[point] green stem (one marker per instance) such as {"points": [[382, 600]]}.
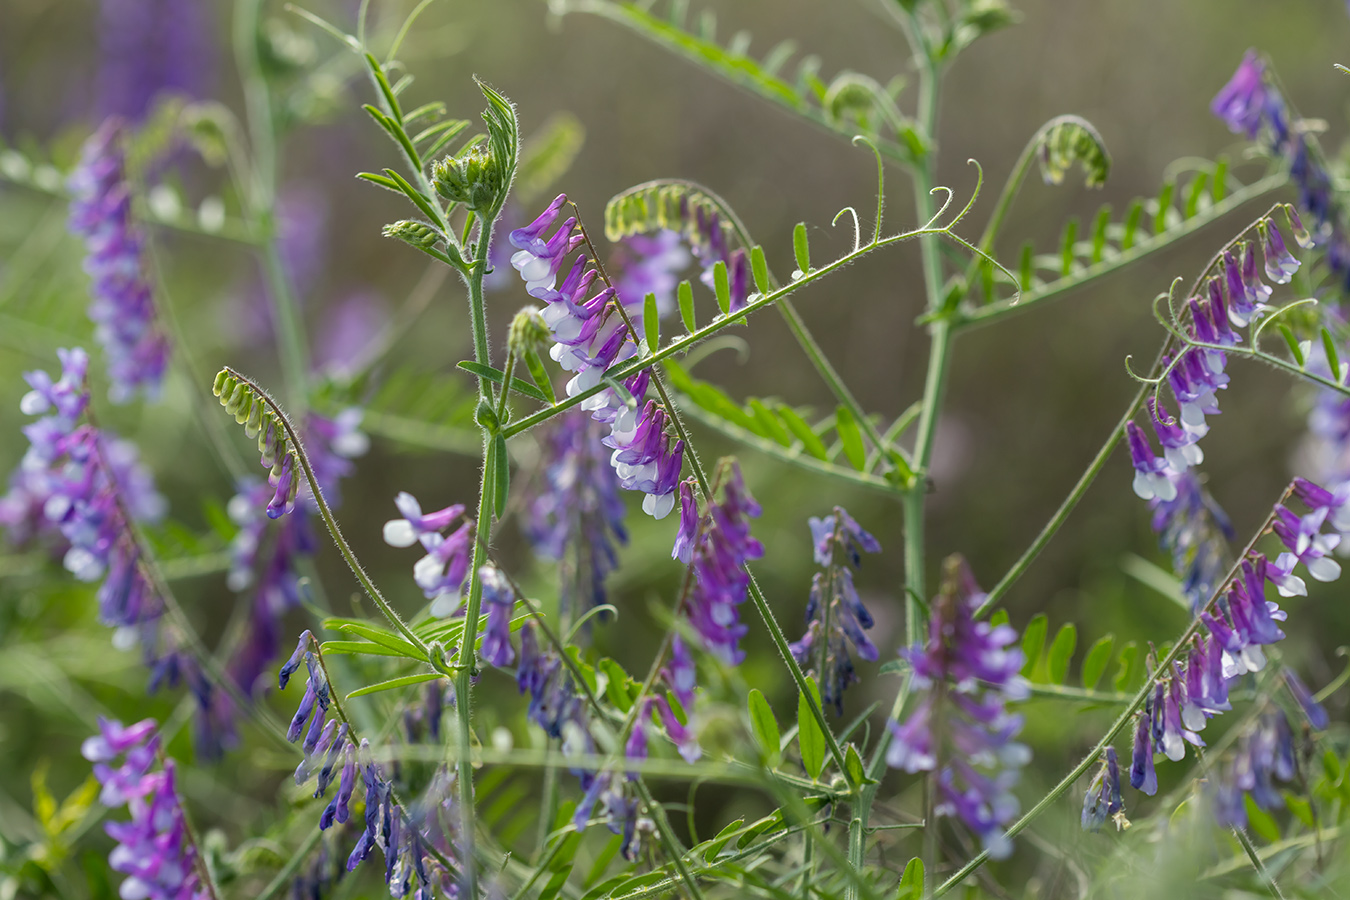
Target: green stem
{"points": [[482, 354], [939, 331], [260, 196], [628, 369], [1065, 508], [467, 663]]}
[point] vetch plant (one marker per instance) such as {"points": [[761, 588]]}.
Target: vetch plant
{"points": [[463, 733]]}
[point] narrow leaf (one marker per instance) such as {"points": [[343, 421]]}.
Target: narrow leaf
{"points": [[722, 286], [497, 376], [651, 323], [1132, 218], [358, 647], [717, 843], [771, 424], [1333, 358], [911, 883], [1096, 661], [1033, 642], [811, 442], [388, 639], [800, 249], [394, 683], [1129, 657], [851, 437], [759, 269], [1295, 350], [1067, 240], [853, 765], [383, 181], [686, 298], [1061, 652], [810, 739], [764, 726]]}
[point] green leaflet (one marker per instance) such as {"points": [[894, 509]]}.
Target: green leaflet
{"points": [[764, 726], [810, 739], [781, 431], [846, 106], [395, 683]]}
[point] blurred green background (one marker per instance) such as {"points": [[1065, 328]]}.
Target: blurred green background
{"points": [[1030, 401]]}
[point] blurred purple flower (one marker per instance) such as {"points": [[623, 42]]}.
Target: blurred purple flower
{"points": [[123, 308], [149, 47]]}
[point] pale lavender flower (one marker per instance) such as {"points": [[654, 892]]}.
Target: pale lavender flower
{"points": [[1264, 756], [440, 573], [1103, 799]]}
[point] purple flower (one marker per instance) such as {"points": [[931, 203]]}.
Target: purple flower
{"points": [[720, 582], [152, 47], [123, 308], [1103, 799], [969, 668], [1150, 472], [575, 514], [1302, 535], [1142, 775], [834, 605], [680, 673], [153, 849], [1243, 101], [591, 335], [1317, 716], [1265, 755], [500, 600], [649, 264]]}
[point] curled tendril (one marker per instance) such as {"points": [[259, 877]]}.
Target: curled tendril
{"points": [[1339, 681], [881, 181], [857, 228], [1129, 370], [974, 195], [603, 608], [1260, 326], [939, 214], [1170, 322]]}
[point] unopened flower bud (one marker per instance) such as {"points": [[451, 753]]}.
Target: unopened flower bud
{"points": [[411, 231], [472, 178], [529, 331]]}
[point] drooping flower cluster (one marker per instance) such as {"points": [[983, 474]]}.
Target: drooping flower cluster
{"points": [[123, 307], [331, 444], [575, 514], [154, 849], [590, 336], [1190, 525], [1103, 799], [1238, 624], [649, 264], [440, 573], [967, 670], [708, 237], [82, 488], [836, 617], [1253, 107], [716, 545], [406, 837], [1265, 755]]}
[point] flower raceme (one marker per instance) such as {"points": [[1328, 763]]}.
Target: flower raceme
{"points": [[154, 849], [961, 730], [1238, 624], [836, 617], [123, 307], [591, 335]]}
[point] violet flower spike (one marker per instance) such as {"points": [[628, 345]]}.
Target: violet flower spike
{"points": [[500, 600]]}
